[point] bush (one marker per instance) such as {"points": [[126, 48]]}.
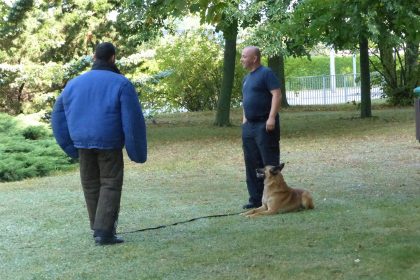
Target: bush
{"points": [[7, 124], [195, 59], [318, 66], [29, 152], [34, 132]]}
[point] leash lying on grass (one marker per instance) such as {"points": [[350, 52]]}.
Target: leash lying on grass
{"points": [[157, 227], [178, 223]]}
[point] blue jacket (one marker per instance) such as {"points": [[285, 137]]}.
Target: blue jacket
{"points": [[100, 109]]}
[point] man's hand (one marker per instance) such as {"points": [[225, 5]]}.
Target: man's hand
{"points": [[270, 124]]}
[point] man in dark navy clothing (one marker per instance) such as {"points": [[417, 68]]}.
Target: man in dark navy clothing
{"points": [[261, 123]]}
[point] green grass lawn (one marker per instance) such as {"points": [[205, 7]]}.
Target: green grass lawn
{"points": [[364, 176]]}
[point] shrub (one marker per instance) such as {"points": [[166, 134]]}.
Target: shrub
{"points": [[195, 59], [30, 152], [7, 124], [34, 132]]}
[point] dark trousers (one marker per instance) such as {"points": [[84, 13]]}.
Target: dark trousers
{"points": [[101, 173], [260, 148]]}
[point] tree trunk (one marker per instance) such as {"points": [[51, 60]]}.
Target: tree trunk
{"points": [[20, 99], [223, 105], [276, 63], [366, 110], [386, 52], [412, 65]]}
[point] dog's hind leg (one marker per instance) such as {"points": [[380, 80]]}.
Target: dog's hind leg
{"points": [[307, 201]]}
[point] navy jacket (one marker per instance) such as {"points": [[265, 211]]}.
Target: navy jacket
{"points": [[100, 109]]}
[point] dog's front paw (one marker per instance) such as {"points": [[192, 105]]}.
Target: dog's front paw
{"points": [[249, 216]]}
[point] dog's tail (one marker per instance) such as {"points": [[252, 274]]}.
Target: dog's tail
{"points": [[307, 200]]}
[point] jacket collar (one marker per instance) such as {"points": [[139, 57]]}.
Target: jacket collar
{"points": [[104, 65]]}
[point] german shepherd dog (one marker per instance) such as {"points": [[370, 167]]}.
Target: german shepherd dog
{"points": [[278, 197]]}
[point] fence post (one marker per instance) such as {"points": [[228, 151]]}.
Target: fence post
{"points": [[354, 70], [324, 89], [345, 88]]}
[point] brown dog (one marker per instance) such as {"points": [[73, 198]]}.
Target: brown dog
{"points": [[278, 197]]}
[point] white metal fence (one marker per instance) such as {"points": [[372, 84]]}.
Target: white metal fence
{"points": [[315, 90]]}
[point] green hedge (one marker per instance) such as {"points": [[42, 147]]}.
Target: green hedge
{"points": [[318, 66], [28, 152]]}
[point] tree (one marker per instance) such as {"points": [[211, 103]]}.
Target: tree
{"points": [[276, 63], [13, 25], [390, 26], [365, 102], [341, 24], [58, 31], [194, 59], [223, 15], [46, 38], [226, 16], [230, 32], [272, 38], [397, 36], [143, 21]]}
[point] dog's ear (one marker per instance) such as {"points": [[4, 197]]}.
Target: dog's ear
{"points": [[281, 166], [276, 169]]}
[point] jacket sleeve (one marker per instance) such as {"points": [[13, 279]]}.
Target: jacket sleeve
{"points": [[61, 131], [133, 124]]}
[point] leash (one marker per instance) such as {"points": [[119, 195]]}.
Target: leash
{"points": [[182, 222], [158, 227]]}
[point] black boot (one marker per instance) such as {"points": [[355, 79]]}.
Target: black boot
{"points": [[101, 240], [106, 237]]}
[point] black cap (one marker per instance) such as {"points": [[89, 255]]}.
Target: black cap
{"points": [[104, 51]]}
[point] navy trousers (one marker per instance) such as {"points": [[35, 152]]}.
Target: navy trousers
{"points": [[260, 148]]}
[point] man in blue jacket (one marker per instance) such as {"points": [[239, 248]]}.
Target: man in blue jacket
{"points": [[96, 115]]}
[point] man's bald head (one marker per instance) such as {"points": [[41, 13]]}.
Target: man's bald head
{"points": [[251, 58], [254, 51]]}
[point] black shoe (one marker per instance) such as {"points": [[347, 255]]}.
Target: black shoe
{"points": [[100, 240], [251, 205]]}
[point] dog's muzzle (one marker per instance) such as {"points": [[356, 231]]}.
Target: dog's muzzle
{"points": [[260, 173]]}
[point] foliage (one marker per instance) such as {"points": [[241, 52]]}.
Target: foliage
{"points": [[32, 87], [195, 61], [143, 21], [224, 15], [45, 41], [318, 65], [391, 27], [34, 132], [269, 33], [12, 25], [397, 38], [64, 32], [152, 95], [28, 152], [11, 96]]}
